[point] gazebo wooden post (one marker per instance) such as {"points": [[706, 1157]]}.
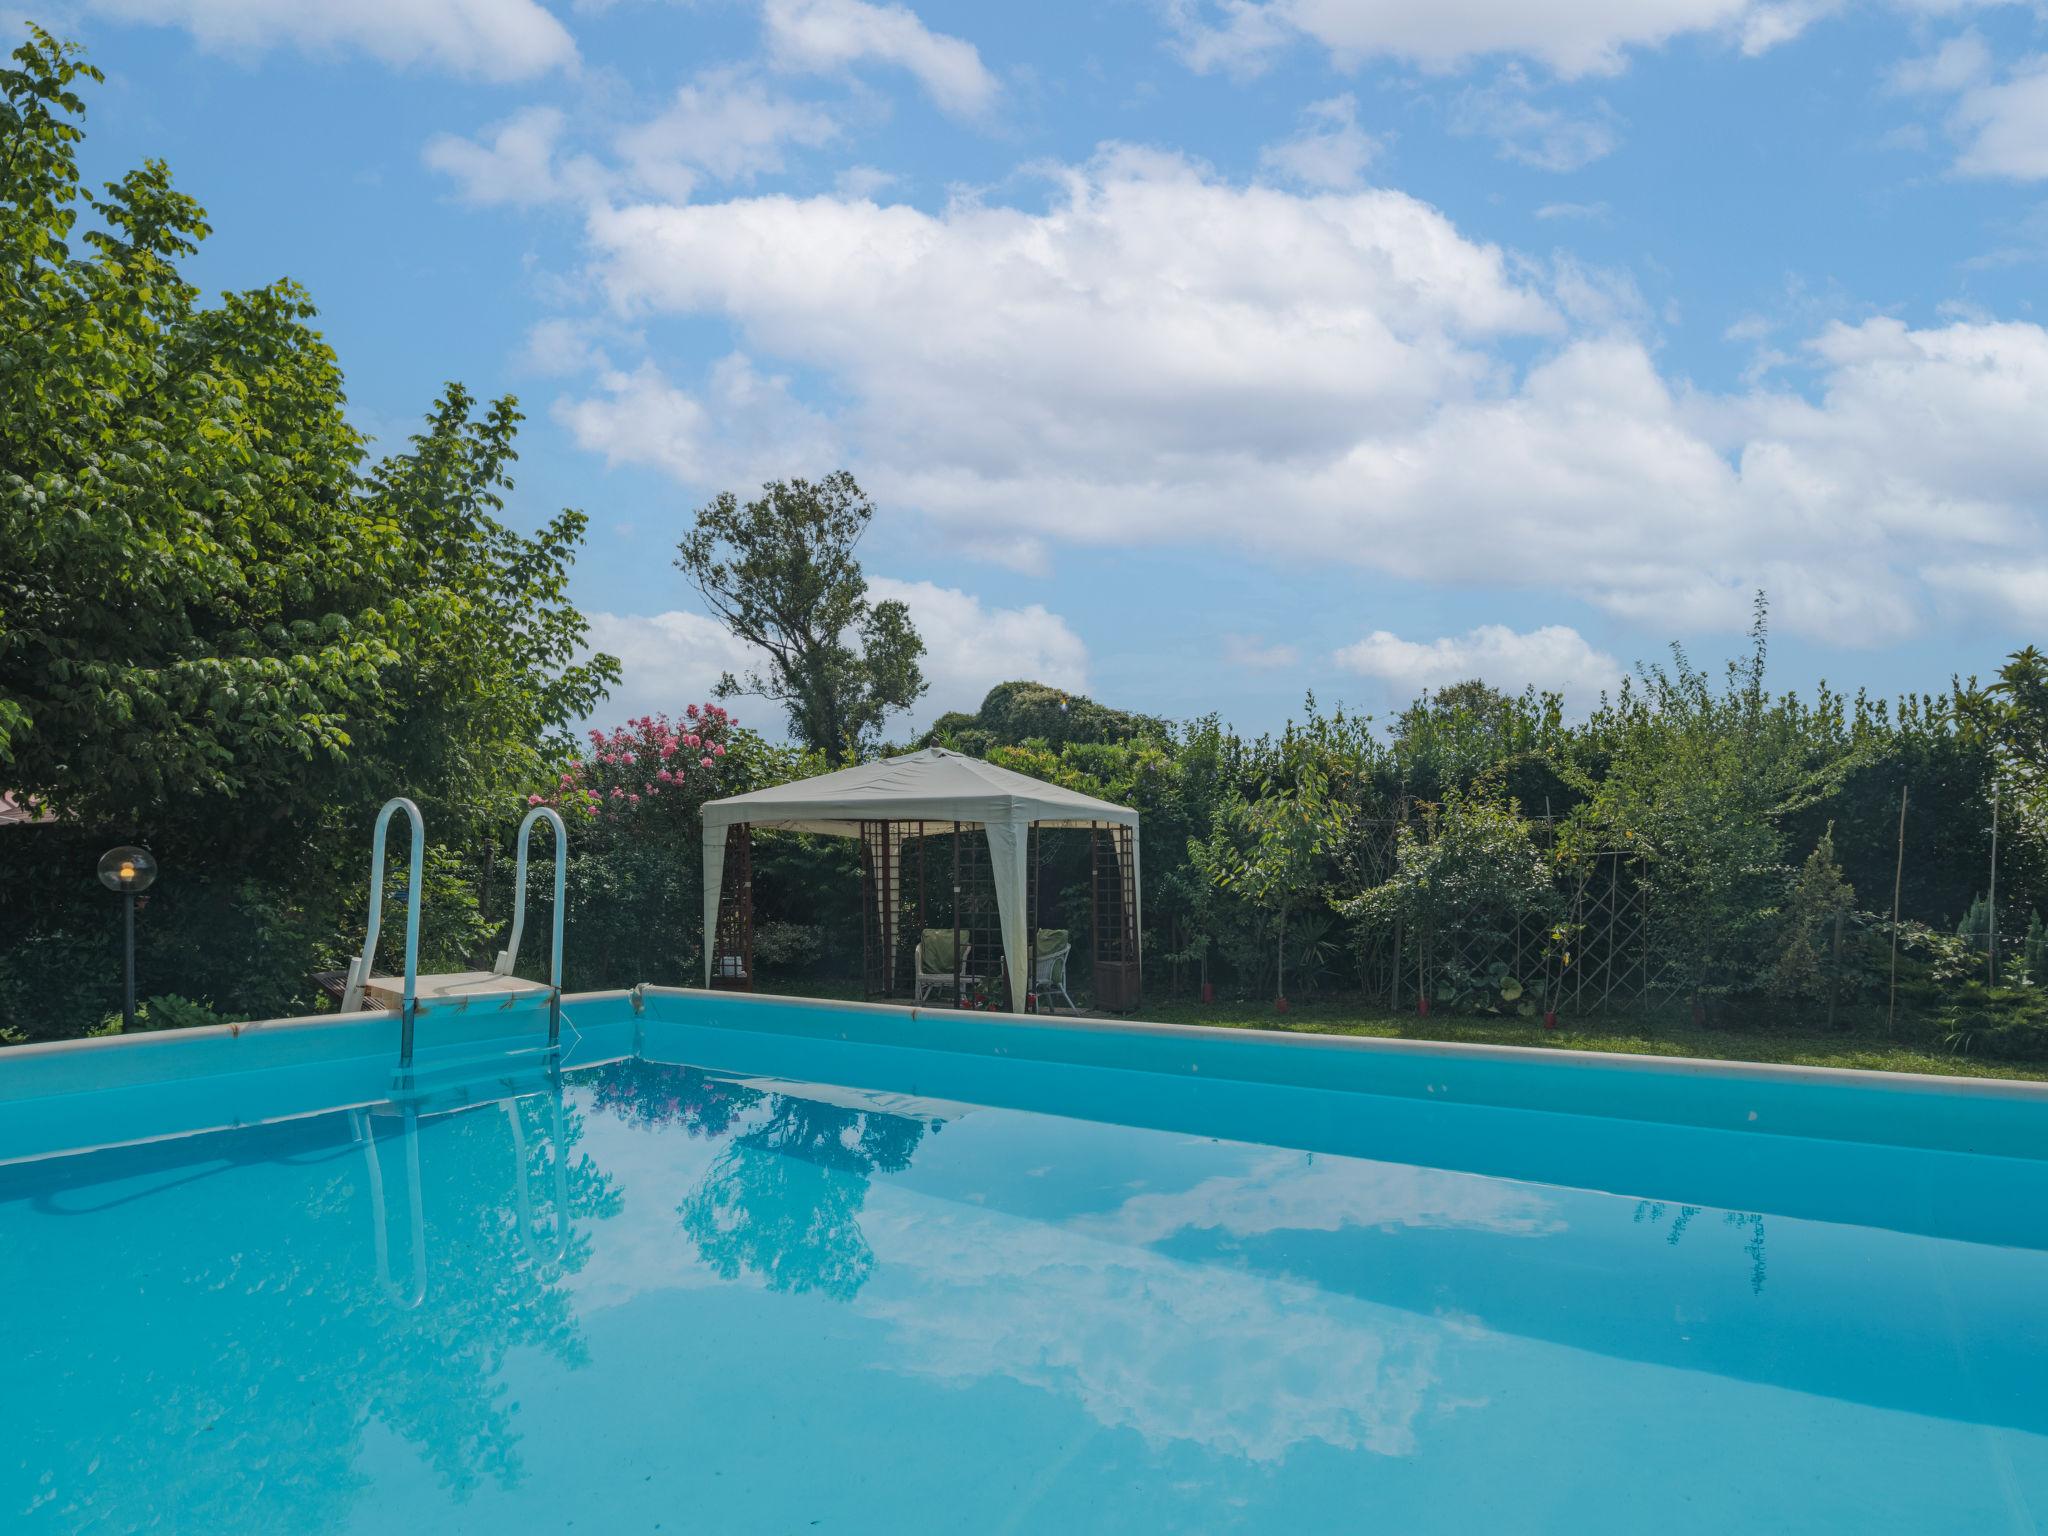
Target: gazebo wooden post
{"points": [[1031, 921]]}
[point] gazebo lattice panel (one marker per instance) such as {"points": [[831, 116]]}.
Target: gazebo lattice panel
{"points": [[732, 955], [1114, 918]]}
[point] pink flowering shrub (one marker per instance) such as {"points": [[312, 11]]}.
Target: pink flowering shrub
{"points": [[648, 765]]}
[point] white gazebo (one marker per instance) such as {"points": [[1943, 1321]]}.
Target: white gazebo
{"points": [[899, 802]]}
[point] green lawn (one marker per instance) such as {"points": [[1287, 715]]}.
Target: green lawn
{"points": [[1791, 1046], [1866, 1047]]}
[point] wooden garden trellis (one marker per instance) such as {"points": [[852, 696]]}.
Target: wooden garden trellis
{"points": [[1601, 955]]}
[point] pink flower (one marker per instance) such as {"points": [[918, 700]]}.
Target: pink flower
{"points": [[717, 750], [703, 762], [628, 757], [618, 792], [692, 740], [632, 799], [693, 711], [533, 799]]}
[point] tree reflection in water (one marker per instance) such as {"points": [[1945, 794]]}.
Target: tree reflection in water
{"points": [[1652, 1213], [783, 1198], [203, 1347]]}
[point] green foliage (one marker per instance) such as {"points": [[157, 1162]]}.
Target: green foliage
{"points": [[1808, 966], [1975, 928], [780, 573], [1270, 852], [169, 1011], [223, 634], [1465, 882], [2033, 953], [1700, 780], [1014, 714]]}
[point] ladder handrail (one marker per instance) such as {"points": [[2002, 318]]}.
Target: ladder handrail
{"points": [[359, 969], [558, 1246], [509, 955], [409, 1296]]}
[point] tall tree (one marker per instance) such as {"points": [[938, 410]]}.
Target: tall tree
{"points": [[220, 633], [780, 572]]}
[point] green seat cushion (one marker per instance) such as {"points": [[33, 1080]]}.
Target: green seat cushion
{"points": [[937, 950], [1051, 941]]}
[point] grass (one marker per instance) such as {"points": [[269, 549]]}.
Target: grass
{"points": [[1337, 1014], [1782, 1045]]}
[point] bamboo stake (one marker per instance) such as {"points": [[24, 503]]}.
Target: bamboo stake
{"points": [[1993, 961], [1835, 969], [1898, 880]]}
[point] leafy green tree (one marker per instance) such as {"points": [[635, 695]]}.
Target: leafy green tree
{"points": [[220, 634], [1015, 713], [780, 573], [1271, 851], [2013, 713], [1701, 780]]}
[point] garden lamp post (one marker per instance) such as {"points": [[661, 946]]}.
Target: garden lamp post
{"points": [[130, 871]]}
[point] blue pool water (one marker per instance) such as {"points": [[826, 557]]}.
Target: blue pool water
{"points": [[778, 1283]]}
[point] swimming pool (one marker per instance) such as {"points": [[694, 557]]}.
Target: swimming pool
{"points": [[745, 1264]]}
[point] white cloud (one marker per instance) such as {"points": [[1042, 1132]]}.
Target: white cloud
{"points": [[1961, 61], [979, 1294], [1252, 651], [1330, 151], [970, 647], [862, 183], [741, 428], [512, 162], [2000, 116], [1594, 211], [1150, 306], [1555, 658], [827, 35], [669, 660], [2005, 124], [725, 124], [1159, 356], [1571, 37], [1548, 138], [2016, 594], [496, 39]]}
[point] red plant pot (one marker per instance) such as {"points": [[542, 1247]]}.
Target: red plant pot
{"points": [[1279, 1005], [1208, 991], [1550, 1021], [1422, 1006]]}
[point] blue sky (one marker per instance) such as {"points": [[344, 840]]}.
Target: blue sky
{"points": [[1197, 353]]}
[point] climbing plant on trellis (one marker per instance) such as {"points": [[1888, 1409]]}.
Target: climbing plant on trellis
{"points": [[1600, 955]]}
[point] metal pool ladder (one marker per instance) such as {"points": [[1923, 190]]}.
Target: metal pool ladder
{"points": [[510, 953], [359, 968]]}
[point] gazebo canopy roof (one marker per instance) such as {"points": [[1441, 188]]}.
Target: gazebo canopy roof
{"points": [[932, 785]]}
